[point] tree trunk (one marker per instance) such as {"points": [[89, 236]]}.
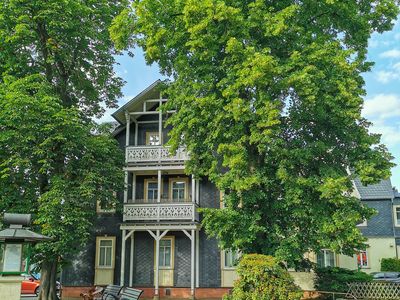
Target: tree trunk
{"points": [[48, 280]]}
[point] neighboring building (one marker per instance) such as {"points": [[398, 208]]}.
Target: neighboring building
{"points": [[380, 230], [160, 220]]}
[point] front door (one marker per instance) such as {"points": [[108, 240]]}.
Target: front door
{"points": [[166, 261], [105, 260]]}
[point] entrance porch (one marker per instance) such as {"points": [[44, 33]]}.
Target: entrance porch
{"points": [[174, 246]]}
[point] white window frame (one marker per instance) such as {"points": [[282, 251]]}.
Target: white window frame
{"points": [[98, 240], [146, 189], [324, 251], [186, 191], [366, 255], [171, 267], [223, 256], [396, 220]]}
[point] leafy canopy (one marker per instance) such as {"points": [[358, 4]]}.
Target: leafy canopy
{"points": [[67, 41], [268, 97], [56, 72], [54, 163]]}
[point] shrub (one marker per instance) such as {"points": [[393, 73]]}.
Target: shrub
{"points": [[390, 265], [335, 279], [262, 278]]}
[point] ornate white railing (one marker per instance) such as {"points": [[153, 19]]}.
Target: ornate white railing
{"points": [[138, 154], [160, 211]]}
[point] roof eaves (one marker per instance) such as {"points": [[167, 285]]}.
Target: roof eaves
{"points": [[134, 99]]}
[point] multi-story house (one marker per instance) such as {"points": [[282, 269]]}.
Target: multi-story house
{"points": [[159, 223], [157, 244], [380, 230]]}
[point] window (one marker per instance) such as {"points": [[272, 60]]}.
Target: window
{"points": [[150, 190], [363, 223], [396, 209], [166, 253], [152, 139], [362, 259], [178, 189], [105, 252], [101, 209], [325, 258], [231, 258]]}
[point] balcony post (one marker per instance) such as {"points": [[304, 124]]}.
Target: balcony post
{"points": [[131, 259], [159, 186], [192, 264], [121, 281], [156, 275], [136, 132], [133, 187], [197, 191], [160, 122], [128, 127], [193, 193], [197, 257], [126, 187]]}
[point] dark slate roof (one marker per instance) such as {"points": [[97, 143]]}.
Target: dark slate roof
{"points": [[396, 193], [381, 190]]}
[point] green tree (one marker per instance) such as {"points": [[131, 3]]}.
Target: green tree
{"points": [[268, 99], [63, 52], [66, 40], [55, 164]]}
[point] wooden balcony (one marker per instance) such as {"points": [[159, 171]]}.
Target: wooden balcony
{"points": [[163, 211], [154, 154]]}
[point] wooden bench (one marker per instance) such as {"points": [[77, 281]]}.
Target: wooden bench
{"points": [[111, 292], [130, 294]]}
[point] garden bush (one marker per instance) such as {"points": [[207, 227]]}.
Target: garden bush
{"points": [[390, 265], [262, 278], [335, 279]]}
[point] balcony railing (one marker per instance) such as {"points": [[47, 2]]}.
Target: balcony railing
{"points": [[161, 212], [146, 154]]}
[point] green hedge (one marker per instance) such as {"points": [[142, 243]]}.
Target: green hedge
{"points": [[390, 265], [335, 279], [262, 278]]}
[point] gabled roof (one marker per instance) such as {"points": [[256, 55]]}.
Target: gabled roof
{"points": [[151, 92], [381, 190]]}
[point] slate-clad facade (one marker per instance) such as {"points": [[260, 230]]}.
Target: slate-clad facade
{"points": [[160, 212]]}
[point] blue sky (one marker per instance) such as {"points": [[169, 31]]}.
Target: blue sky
{"points": [[382, 103]]}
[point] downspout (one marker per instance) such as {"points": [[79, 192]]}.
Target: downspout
{"points": [[393, 226]]}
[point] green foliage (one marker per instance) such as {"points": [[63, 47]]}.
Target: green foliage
{"points": [[334, 279], [68, 41], [262, 278], [56, 72], [268, 97], [54, 163], [390, 264]]}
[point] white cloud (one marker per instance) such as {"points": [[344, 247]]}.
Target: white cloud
{"points": [[394, 53], [386, 76], [382, 106], [390, 133], [396, 67]]}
